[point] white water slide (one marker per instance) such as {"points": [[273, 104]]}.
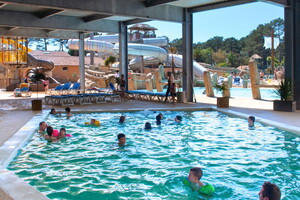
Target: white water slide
{"points": [[147, 47]]}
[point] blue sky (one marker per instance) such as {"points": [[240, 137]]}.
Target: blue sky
{"points": [[235, 21]]}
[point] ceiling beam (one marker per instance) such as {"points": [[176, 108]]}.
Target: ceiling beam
{"points": [[134, 21], [27, 20], [149, 3], [229, 3], [40, 33], [128, 8], [48, 13], [94, 17], [277, 2], [216, 5]]}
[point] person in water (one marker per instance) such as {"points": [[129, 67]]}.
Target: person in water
{"points": [[195, 175], [178, 119], [269, 191], [251, 120], [93, 122], [68, 111], [159, 118], [42, 127], [148, 126], [63, 133], [122, 119], [121, 139], [51, 134], [54, 112]]}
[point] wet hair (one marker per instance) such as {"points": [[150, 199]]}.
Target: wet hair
{"points": [[49, 130], [122, 119], [68, 109], [197, 171], [158, 118], [252, 118], [148, 126], [271, 191], [62, 129], [121, 135], [40, 124], [52, 110], [178, 117]]}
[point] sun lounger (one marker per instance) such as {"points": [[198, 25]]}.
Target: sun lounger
{"points": [[62, 100]]}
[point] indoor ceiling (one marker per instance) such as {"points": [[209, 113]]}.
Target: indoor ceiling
{"points": [[67, 18]]}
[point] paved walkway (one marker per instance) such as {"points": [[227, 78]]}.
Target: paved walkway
{"points": [[16, 111]]}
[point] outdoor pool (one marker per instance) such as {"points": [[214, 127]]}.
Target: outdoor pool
{"points": [[154, 163], [266, 93]]}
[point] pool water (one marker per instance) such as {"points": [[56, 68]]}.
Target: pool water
{"points": [[266, 93], [153, 165]]}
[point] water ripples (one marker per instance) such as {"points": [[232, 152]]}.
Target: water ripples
{"points": [[90, 165]]}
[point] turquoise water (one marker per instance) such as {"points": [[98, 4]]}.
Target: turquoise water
{"points": [[154, 163], [266, 93]]}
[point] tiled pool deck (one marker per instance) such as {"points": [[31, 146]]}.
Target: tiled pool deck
{"points": [[16, 112]]}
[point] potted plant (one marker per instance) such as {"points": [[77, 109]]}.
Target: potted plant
{"points": [[222, 102], [285, 91], [36, 75]]}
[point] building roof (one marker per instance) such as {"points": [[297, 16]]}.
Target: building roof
{"points": [[62, 58]]}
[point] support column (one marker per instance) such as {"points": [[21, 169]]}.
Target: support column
{"points": [[123, 52], [296, 49], [81, 62], [292, 47], [92, 53], [187, 65]]}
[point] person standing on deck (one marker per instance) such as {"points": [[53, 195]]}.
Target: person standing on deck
{"points": [[170, 81]]}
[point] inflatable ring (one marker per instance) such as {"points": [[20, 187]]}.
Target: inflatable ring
{"points": [[97, 123], [207, 189]]}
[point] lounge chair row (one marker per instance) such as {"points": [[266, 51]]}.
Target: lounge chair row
{"points": [[81, 99], [66, 88], [146, 95]]}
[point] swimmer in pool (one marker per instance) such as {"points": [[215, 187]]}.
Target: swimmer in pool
{"points": [[122, 119], [54, 112], [159, 118], [269, 191], [51, 134], [251, 120], [195, 175], [148, 126], [42, 127], [178, 119], [68, 111], [121, 139], [63, 133]]}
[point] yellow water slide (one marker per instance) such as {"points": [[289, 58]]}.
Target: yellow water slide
{"points": [[13, 51]]}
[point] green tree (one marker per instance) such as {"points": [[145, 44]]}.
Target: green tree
{"points": [[219, 57], [215, 43]]}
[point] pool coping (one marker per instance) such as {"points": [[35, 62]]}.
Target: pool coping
{"points": [[18, 189]]}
